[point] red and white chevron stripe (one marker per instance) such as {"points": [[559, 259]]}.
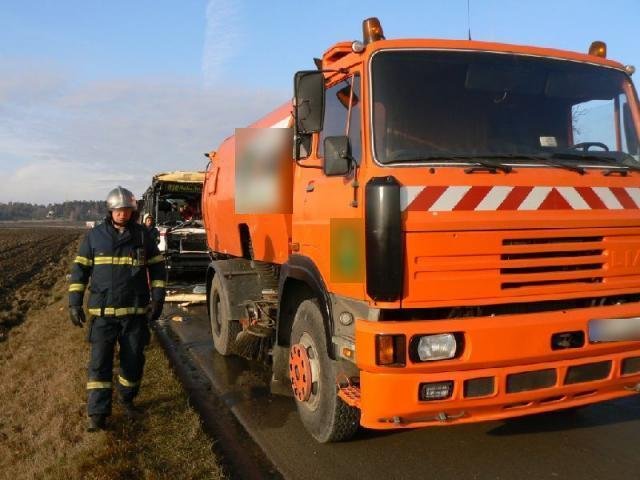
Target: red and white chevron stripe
{"points": [[466, 197]]}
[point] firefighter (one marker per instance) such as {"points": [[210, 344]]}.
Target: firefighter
{"points": [[127, 291], [150, 223]]}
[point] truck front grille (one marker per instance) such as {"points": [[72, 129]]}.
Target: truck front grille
{"points": [[538, 262], [454, 268]]}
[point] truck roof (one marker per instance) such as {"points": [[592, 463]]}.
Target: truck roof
{"points": [[341, 55]]}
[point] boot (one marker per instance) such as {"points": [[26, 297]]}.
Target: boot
{"points": [[131, 410], [97, 422]]}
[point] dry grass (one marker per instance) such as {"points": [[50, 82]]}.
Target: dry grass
{"points": [[43, 412]]}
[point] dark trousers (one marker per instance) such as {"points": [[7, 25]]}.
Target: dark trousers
{"points": [[132, 334]]}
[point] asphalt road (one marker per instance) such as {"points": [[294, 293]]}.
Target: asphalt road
{"points": [[596, 442]]}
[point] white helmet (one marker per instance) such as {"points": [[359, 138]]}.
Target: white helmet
{"points": [[121, 198]]}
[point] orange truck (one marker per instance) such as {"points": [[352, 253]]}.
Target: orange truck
{"points": [[448, 232]]}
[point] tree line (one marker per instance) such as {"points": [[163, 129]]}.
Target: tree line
{"points": [[77, 210]]}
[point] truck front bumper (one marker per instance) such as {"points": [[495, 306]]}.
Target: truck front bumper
{"points": [[512, 354]]}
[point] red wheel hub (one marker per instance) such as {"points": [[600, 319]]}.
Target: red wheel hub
{"points": [[300, 372]]}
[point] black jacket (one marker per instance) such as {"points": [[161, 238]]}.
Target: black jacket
{"points": [[154, 234], [117, 264]]}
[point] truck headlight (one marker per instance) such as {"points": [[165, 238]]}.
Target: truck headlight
{"points": [[436, 347]]}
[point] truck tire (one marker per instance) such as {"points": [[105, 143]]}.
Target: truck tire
{"points": [[223, 330], [326, 417]]}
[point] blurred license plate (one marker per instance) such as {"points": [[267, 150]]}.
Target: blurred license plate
{"points": [[614, 329]]}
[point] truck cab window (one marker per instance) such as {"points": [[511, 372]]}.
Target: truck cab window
{"points": [[336, 113], [594, 121], [605, 121]]}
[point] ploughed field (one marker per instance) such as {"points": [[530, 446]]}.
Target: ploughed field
{"points": [[32, 260], [43, 362]]}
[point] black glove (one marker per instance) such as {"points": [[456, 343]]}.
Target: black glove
{"points": [[77, 316], [154, 310]]}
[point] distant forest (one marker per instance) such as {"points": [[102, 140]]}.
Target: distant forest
{"points": [[73, 211]]}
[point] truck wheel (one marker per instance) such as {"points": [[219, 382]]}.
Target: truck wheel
{"points": [[313, 379], [223, 329]]}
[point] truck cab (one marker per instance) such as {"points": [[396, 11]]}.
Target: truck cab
{"points": [[463, 236]]}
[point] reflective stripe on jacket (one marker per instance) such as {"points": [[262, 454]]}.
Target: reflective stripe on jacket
{"points": [[126, 270]]}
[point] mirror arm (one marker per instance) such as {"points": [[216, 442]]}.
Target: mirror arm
{"points": [[335, 70], [353, 164], [319, 167], [355, 184]]}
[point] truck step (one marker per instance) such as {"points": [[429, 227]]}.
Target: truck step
{"points": [[350, 395]]}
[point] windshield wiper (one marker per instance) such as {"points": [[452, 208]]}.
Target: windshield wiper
{"points": [[480, 160], [488, 166], [626, 162], [546, 159], [552, 161], [624, 165]]}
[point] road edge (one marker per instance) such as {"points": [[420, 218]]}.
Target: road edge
{"points": [[239, 451]]}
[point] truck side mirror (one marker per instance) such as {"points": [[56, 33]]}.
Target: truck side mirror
{"points": [[308, 106], [337, 156]]}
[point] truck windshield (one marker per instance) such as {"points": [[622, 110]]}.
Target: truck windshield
{"points": [[446, 106]]}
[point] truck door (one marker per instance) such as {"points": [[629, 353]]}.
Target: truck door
{"points": [[326, 199]]}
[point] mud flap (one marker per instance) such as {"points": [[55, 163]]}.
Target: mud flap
{"points": [[280, 380]]}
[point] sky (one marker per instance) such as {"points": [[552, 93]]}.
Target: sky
{"points": [[95, 94]]}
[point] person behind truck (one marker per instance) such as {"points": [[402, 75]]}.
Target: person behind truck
{"points": [[117, 256], [150, 224]]}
